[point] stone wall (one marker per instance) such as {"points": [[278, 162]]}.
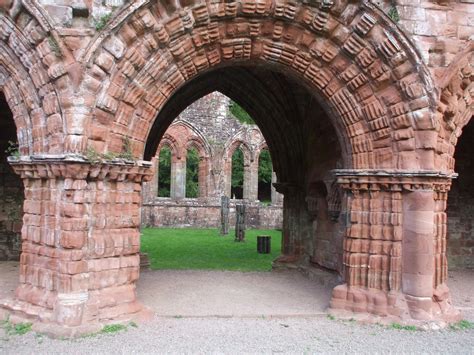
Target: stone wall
{"points": [[209, 126], [195, 214]]}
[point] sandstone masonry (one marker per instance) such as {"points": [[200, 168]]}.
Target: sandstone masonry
{"points": [[361, 103]]}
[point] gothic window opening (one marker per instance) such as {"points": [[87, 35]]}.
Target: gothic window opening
{"points": [[237, 179], [192, 173], [265, 169], [164, 172]]}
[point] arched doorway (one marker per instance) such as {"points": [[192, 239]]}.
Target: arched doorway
{"points": [[11, 194]]}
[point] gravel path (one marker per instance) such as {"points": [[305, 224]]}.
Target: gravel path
{"points": [[233, 312], [234, 335]]}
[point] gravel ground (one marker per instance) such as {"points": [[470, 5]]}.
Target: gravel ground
{"points": [[232, 312], [237, 335]]}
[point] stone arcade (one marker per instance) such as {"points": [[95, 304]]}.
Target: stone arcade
{"points": [[361, 114], [208, 126]]}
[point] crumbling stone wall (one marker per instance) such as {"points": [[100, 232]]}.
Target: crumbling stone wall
{"points": [[208, 126]]}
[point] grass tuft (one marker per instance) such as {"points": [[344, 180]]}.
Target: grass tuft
{"points": [[462, 325], [403, 327], [16, 329], [113, 328], [205, 249]]}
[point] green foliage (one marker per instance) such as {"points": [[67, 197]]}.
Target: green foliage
{"points": [[95, 157], [126, 153], [102, 22], [205, 249], [393, 14], [331, 317], [92, 155], [403, 327], [16, 329], [192, 173], [164, 172], [462, 325], [13, 149], [238, 168], [53, 44], [113, 328], [238, 112], [265, 167]]}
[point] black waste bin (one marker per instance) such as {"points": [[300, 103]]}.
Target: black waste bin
{"points": [[264, 244]]}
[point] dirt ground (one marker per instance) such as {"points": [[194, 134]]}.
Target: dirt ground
{"points": [[193, 293]]}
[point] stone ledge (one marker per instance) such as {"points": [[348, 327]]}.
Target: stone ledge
{"points": [[394, 180], [394, 173], [70, 166]]}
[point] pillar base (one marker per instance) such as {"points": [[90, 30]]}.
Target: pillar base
{"points": [[377, 306], [45, 321]]}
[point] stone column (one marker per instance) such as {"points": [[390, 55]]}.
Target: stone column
{"points": [[178, 178], [276, 196], [203, 177], [390, 244], [251, 181], [150, 189], [81, 241], [297, 226]]}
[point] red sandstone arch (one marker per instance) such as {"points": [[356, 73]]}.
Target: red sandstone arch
{"points": [[366, 72], [31, 70], [456, 105]]}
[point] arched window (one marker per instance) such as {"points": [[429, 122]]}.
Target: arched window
{"points": [[164, 172], [237, 178], [265, 169], [192, 173]]}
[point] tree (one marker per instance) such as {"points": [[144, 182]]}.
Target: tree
{"points": [[164, 172], [192, 173], [239, 113], [237, 181], [265, 167]]}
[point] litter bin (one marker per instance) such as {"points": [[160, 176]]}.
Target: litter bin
{"points": [[264, 244]]}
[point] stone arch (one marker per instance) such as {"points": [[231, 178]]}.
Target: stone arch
{"points": [[456, 105], [170, 142], [200, 144], [456, 109], [29, 85], [367, 73], [234, 144]]}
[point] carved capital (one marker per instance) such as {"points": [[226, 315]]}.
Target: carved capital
{"points": [[393, 180], [76, 167]]}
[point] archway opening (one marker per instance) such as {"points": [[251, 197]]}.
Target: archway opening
{"points": [[164, 172], [265, 175], [192, 173], [11, 188], [293, 125], [237, 175], [11, 200], [460, 209]]}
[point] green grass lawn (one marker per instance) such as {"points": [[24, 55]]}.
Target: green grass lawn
{"points": [[172, 248]]}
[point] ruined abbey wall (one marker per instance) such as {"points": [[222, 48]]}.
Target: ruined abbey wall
{"points": [[208, 126]]}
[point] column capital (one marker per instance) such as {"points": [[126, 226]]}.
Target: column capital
{"points": [[79, 168], [393, 180]]}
